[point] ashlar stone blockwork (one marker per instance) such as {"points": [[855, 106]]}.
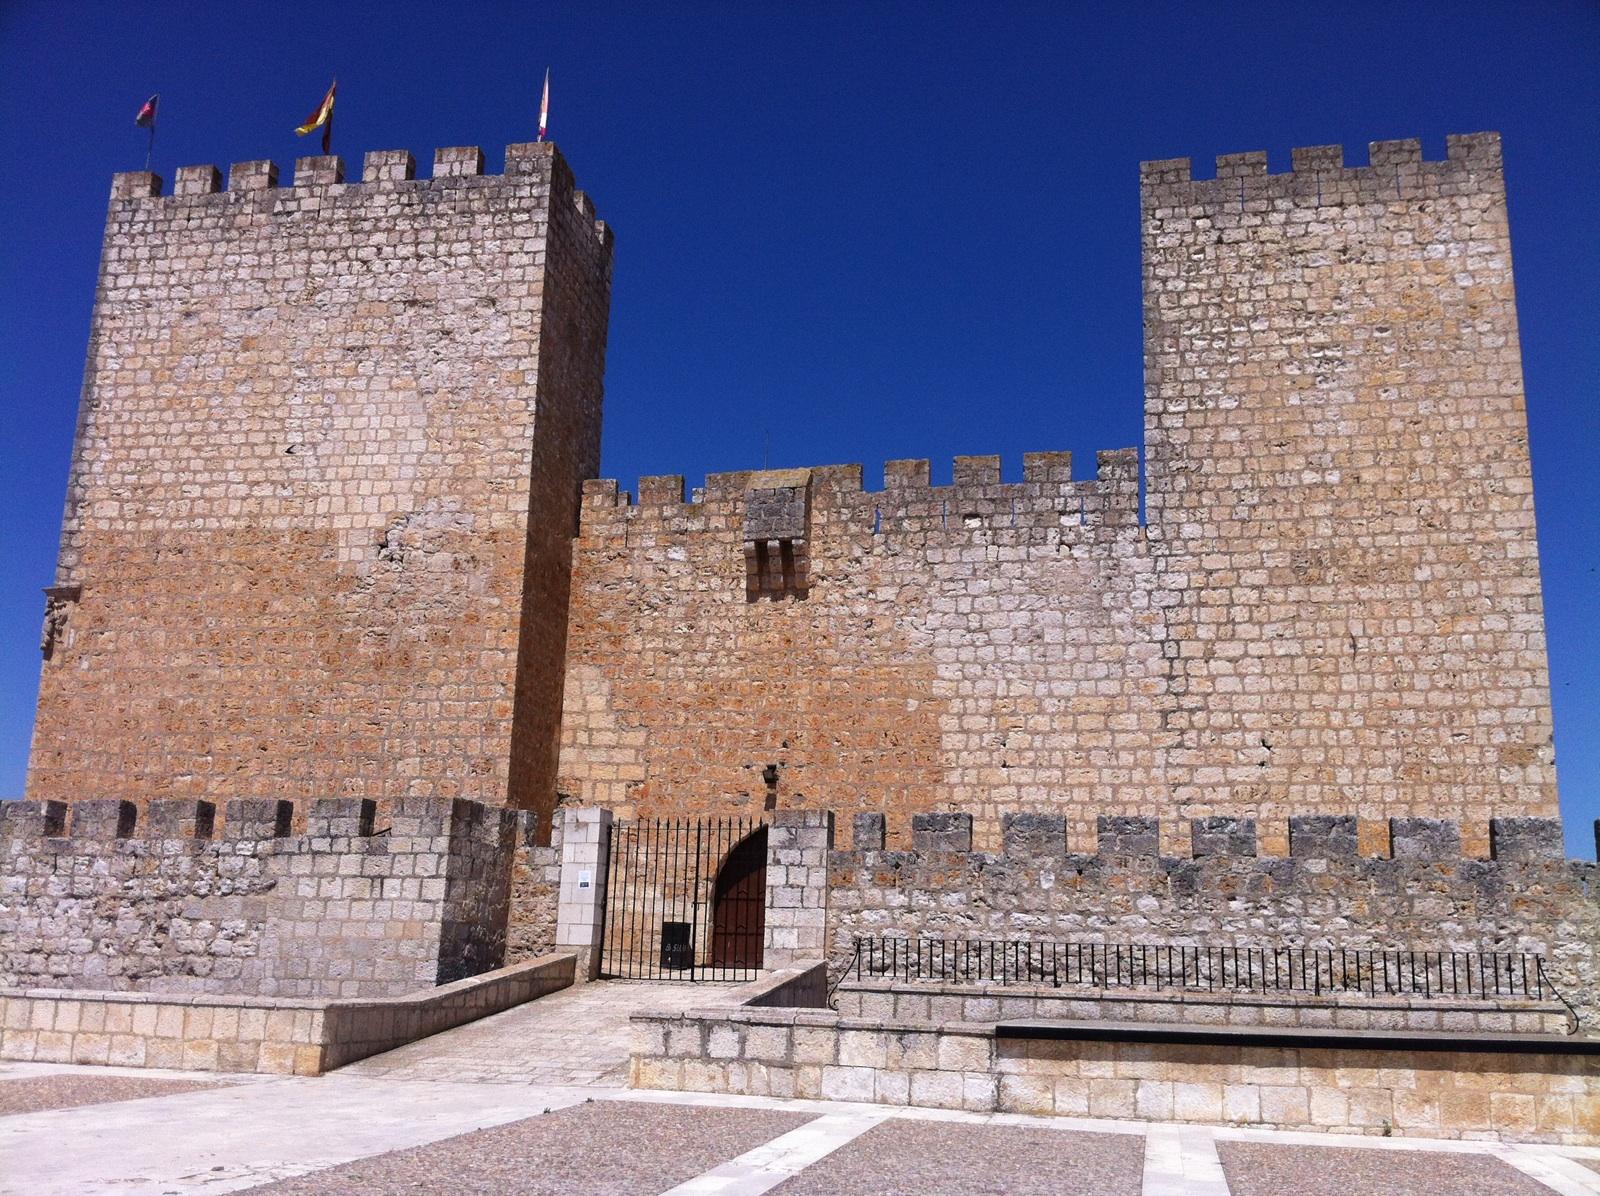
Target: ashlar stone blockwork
{"points": [[326, 476], [1333, 603]]}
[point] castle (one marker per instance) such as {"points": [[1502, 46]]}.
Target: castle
{"points": [[335, 567], [324, 534]]}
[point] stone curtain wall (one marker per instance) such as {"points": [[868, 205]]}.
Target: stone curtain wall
{"points": [[985, 645], [1335, 606], [329, 454], [1339, 489], [364, 904], [1421, 895]]}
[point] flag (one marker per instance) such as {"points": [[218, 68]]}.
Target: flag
{"points": [[147, 115], [322, 119], [544, 105]]}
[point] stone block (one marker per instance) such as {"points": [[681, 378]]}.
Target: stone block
{"points": [[252, 176], [1324, 836], [1125, 835], [1034, 836], [103, 818], [319, 171], [197, 180], [257, 819], [1221, 835], [868, 832], [1524, 840], [941, 832], [179, 818], [388, 166], [1424, 839]]}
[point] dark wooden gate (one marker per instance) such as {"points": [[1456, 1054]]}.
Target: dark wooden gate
{"points": [[685, 899], [739, 904]]}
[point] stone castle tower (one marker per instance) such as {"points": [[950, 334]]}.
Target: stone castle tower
{"points": [[318, 527], [324, 521]]}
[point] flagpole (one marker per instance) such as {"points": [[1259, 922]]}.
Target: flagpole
{"points": [[150, 148]]}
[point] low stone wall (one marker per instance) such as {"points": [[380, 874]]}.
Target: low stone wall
{"points": [[899, 1001], [1415, 890], [1516, 1091], [284, 1035]]}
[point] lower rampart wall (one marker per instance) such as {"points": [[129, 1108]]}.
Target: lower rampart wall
{"points": [[1422, 894], [1516, 1091], [368, 902], [283, 1036]]}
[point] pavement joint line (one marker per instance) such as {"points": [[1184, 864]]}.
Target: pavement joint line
{"points": [[1181, 1160], [1552, 1170], [1080, 1125], [1355, 1141], [768, 1165]]}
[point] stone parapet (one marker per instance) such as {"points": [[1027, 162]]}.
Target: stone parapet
{"points": [[281, 1036], [369, 902], [941, 1003], [1525, 1090]]}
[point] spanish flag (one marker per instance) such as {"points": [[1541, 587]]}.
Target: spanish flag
{"points": [[322, 119]]}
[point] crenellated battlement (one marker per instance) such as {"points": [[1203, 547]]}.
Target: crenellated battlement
{"points": [[1311, 837], [383, 171], [977, 498], [1394, 169], [324, 825]]}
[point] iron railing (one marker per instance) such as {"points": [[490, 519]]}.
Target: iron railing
{"points": [[684, 899], [1486, 975]]}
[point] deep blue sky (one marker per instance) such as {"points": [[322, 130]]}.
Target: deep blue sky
{"points": [[860, 231]]}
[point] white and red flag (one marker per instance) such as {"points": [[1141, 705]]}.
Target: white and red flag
{"points": [[544, 105]]}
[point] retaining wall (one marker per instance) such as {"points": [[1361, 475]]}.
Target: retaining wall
{"points": [[285, 1036]]}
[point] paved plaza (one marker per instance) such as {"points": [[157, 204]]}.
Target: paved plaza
{"points": [[532, 1101]]}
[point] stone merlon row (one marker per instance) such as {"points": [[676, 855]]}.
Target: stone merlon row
{"points": [[1114, 469], [1472, 151], [451, 167], [258, 819], [1321, 836]]}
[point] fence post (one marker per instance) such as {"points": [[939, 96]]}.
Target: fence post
{"points": [[798, 842], [580, 911]]}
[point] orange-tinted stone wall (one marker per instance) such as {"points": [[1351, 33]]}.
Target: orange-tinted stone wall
{"points": [[1333, 606], [1339, 489], [297, 556]]}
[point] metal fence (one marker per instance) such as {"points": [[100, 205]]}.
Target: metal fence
{"points": [[1467, 974], [685, 899]]}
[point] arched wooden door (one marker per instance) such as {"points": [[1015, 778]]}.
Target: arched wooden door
{"points": [[738, 904]]}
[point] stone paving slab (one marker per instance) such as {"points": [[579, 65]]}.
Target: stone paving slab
{"points": [[1269, 1169], [598, 1148], [33, 1094], [936, 1158], [578, 1036], [239, 1136]]}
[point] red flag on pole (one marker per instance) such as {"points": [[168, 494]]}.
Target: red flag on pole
{"points": [[544, 105], [147, 120], [322, 119]]}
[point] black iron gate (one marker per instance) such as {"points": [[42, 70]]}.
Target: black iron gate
{"points": [[685, 899]]}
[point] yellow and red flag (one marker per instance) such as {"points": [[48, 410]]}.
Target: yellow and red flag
{"points": [[544, 105], [322, 119]]}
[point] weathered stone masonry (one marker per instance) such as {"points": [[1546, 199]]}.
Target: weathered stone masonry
{"points": [[1332, 606], [324, 486], [358, 906], [1422, 894]]}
